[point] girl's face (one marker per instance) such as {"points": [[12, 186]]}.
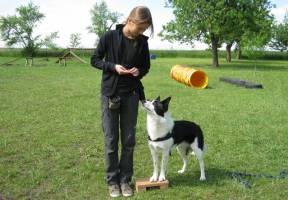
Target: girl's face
{"points": [[137, 29]]}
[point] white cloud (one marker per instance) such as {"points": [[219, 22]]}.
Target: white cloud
{"points": [[279, 12]]}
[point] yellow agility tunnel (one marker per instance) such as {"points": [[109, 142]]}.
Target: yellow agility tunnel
{"points": [[189, 76]]}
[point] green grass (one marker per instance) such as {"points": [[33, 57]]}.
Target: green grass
{"points": [[52, 143]]}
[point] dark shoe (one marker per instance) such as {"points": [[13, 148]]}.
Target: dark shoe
{"points": [[126, 190], [114, 190]]}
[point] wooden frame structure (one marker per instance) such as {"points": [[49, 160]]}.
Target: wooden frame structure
{"points": [[68, 56]]}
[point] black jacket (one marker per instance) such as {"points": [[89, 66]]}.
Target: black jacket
{"points": [[110, 47]]}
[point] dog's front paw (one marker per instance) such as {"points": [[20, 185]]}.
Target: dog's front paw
{"points": [[202, 178], [153, 179], [162, 178], [181, 171]]}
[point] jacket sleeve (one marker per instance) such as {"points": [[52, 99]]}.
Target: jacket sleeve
{"points": [[99, 54], [145, 62]]}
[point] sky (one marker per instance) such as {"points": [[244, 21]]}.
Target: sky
{"points": [[73, 16]]}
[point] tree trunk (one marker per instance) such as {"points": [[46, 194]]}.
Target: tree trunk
{"points": [[214, 41], [255, 61], [239, 53], [228, 51]]}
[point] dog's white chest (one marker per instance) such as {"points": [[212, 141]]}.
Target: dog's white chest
{"points": [[159, 147]]}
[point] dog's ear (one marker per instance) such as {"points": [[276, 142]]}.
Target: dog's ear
{"points": [[166, 103], [167, 100], [158, 98]]}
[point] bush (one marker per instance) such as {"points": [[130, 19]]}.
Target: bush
{"points": [[268, 55]]}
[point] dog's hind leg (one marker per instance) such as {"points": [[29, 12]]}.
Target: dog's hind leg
{"points": [[199, 154], [182, 150]]}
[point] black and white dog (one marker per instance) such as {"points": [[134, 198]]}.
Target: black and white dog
{"points": [[164, 133]]}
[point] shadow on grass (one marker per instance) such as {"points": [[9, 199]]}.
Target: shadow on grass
{"points": [[191, 178], [247, 64], [260, 65]]}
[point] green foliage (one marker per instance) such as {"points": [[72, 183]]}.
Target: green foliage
{"points": [[254, 47], [18, 28], [254, 40], [226, 20], [267, 55], [215, 22], [102, 19], [48, 41], [256, 22], [280, 39], [75, 40], [52, 145]]}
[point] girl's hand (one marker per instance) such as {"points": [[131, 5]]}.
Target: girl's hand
{"points": [[134, 71], [121, 70]]}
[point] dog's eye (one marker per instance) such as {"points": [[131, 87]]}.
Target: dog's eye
{"points": [[155, 102]]}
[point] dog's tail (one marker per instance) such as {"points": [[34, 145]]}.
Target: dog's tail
{"points": [[205, 148]]}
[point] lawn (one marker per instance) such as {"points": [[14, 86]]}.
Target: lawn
{"points": [[52, 143]]}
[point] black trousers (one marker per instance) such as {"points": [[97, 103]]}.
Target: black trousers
{"points": [[119, 124]]}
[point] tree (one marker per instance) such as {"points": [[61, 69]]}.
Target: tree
{"points": [[18, 28], [280, 38], [49, 41], [207, 21], [214, 21], [102, 19], [254, 46], [75, 40], [256, 21]]}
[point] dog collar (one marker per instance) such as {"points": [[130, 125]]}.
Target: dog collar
{"points": [[168, 136]]}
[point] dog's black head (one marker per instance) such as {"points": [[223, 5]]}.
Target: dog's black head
{"points": [[157, 106]]}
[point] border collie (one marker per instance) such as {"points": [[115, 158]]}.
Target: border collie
{"points": [[164, 133]]}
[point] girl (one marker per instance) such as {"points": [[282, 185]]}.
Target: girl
{"points": [[126, 61]]}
